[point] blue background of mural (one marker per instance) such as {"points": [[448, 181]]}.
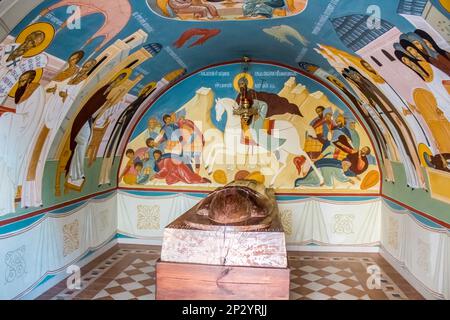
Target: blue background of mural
{"points": [[243, 37], [180, 94]]}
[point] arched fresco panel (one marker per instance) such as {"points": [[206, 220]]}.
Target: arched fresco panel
{"points": [[59, 59], [304, 138], [400, 81]]}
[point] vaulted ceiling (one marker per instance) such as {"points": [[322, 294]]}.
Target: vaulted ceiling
{"points": [[169, 38], [284, 39]]}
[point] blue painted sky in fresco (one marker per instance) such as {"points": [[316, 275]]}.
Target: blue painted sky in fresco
{"points": [[235, 40], [184, 91]]}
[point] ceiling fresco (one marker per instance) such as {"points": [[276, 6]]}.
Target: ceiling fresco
{"points": [[304, 137], [226, 9], [77, 76]]}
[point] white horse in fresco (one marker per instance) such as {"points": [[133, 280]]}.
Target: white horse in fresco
{"points": [[232, 143]]}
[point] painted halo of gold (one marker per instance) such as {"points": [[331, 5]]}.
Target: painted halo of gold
{"points": [[445, 4], [39, 73], [220, 176], [46, 28], [241, 75], [128, 72], [148, 85], [423, 149]]}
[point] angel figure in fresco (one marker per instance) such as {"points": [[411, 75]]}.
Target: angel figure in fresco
{"points": [[19, 126], [23, 55]]}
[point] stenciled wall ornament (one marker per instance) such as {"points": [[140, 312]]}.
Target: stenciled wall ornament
{"points": [[71, 235], [343, 223], [148, 217], [286, 221], [423, 256], [16, 266]]}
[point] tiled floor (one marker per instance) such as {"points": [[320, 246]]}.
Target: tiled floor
{"points": [[128, 272]]}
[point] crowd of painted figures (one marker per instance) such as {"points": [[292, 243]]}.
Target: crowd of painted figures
{"points": [[26, 134], [59, 112], [172, 153], [36, 104], [333, 144], [407, 113]]}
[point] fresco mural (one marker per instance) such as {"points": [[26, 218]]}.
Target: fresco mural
{"points": [[62, 109], [400, 80], [75, 77], [303, 136], [226, 9]]}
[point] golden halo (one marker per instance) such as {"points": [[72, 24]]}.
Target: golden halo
{"points": [[220, 176], [46, 28], [257, 176], [370, 180], [38, 77], [445, 4], [240, 76], [423, 149], [128, 72], [149, 85]]}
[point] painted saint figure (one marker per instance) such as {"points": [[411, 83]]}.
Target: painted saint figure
{"points": [[56, 107], [173, 170], [198, 8], [14, 127], [434, 78], [261, 8], [170, 133], [117, 134], [317, 138], [23, 55], [82, 126], [394, 122]]}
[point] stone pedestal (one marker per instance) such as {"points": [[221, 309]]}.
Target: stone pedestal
{"points": [[222, 263], [225, 246]]}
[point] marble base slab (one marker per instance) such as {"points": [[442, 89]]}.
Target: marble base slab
{"points": [[225, 246]]}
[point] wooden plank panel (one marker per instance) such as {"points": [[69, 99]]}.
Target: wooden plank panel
{"points": [[195, 281]]}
